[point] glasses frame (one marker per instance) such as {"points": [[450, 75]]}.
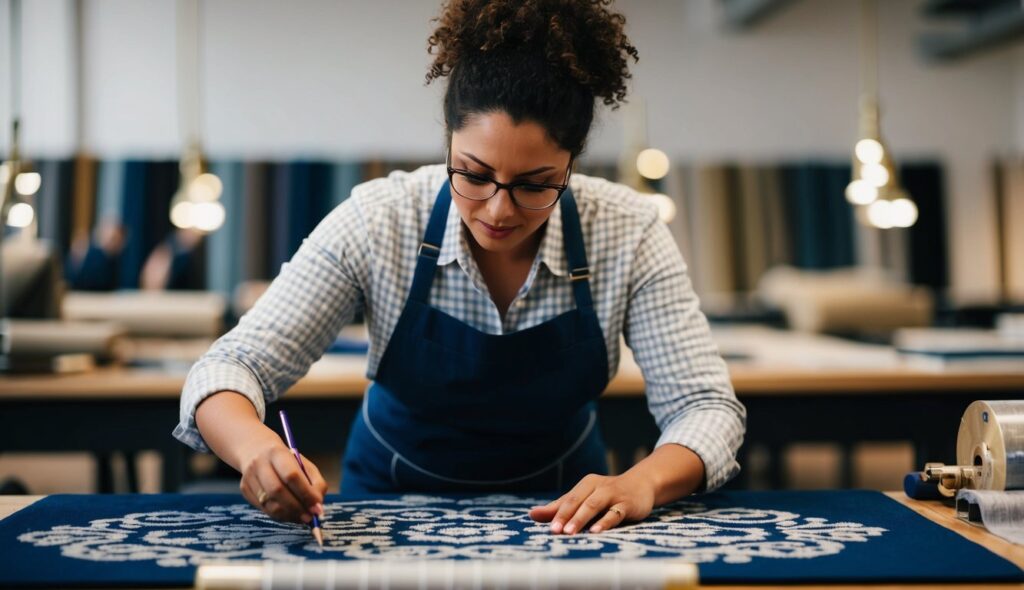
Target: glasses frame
{"points": [[509, 187]]}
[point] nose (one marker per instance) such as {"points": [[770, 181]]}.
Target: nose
{"points": [[501, 206]]}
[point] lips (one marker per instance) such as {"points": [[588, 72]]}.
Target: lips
{"points": [[497, 232]]}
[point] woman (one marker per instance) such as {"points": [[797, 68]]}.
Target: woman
{"points": [[495, 288]]}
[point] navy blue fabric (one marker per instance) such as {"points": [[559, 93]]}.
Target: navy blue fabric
{"points": [[929, 256], [428, 419], [820, 218], [148, 189], [738, 537], [302, 196]]}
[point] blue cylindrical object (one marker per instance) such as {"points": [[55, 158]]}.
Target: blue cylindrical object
{"points": [[918, 488]]}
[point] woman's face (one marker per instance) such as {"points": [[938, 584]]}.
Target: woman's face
{"points": [[493, 146]]}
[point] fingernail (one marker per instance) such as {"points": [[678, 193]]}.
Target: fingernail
{"points": [[570, 528], [319, 509], [595, 529], [556, 527]]}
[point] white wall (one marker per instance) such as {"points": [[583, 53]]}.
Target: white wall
{"points": [[345, 79]]}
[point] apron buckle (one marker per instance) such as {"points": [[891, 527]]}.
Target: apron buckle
{"points": [[429, 250], [580, 274]]}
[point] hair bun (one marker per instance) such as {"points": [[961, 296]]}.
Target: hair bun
{"points": [[582, 38]]}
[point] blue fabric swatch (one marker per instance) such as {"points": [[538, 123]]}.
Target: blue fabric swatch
{"points": [[735, 537]]}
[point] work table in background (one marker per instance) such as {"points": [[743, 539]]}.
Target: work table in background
{"points": [[797, 388]]}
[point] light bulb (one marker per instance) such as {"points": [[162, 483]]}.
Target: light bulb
{"points": [[181, 214], [205, 187], [880, 214], [666, 207], [27, 183], [904, 212], [20, 215], [207, 216], [875, 174], [652, 163], [861, 192], [869, 151]]}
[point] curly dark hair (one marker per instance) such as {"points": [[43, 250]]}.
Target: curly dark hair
{"points": [[541, 60]]}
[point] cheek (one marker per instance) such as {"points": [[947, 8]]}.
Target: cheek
{"points": [[467, 209], [533, 220]]}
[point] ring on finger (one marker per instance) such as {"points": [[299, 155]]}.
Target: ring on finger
{"points": [[262, 498], [616, 511]]}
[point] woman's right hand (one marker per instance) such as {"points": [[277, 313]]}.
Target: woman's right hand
{"points": [[273, 483]]}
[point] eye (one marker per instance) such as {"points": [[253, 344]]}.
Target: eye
{"points": [[476, 180], [532, 188]]}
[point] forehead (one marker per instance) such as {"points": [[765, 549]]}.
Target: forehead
{"points": [[499, 141]]}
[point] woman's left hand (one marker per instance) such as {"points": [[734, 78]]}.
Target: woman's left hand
{"points": [[669, 473], [612, 498]]}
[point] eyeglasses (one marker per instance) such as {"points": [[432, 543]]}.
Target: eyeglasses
{"points": [[527, 195]]}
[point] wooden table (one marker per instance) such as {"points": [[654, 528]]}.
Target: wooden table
{"points": [[934, 511], [797, 388]]}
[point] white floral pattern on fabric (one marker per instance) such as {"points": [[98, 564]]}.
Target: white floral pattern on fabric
{"points": [[417, 527]]}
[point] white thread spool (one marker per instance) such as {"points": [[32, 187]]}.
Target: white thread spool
{"points": [[991, 437]]}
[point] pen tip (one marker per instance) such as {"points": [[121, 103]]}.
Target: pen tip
{"points": [[319, 536]]}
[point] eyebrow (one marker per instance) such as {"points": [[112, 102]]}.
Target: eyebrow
{"points": [[520, 175]]}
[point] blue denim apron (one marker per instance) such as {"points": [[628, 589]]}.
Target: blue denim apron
{"points": [[454, 409]]}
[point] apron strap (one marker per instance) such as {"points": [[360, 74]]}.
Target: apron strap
{"points": [[430, 248], [575, 252]]}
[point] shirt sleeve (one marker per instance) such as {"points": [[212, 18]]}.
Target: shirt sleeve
{"points": [[316, 293], [688, 388]]}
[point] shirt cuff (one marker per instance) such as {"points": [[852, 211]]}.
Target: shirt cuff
{"points": [[708, 434], [205, 379]]}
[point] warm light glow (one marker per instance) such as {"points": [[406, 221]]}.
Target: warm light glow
{"points": [[207, 216], [652, 163], [869, 151], [875, 174], [861, 192], [880, 214], [27, 183], [181, 214], [903, 212], [666, 207], [205, 188], [20, 215]]}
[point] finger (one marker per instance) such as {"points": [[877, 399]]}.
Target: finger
{"points": [[595, 504], [318, 483], [545, 512], [612, 518], [288, 470], [570, 504], [281, 504], [250, 494]]}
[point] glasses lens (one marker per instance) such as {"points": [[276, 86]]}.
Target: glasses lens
{"points": [[535, 197], [473, 187]]}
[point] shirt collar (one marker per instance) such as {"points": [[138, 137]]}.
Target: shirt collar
{"points": [[552, 246]]}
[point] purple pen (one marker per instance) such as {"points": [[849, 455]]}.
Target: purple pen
{"points": [[317, 534]]}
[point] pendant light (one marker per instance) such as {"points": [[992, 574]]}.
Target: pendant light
{"points": [[875, 188], [640, 164], [196, 205], [18, 183]]}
